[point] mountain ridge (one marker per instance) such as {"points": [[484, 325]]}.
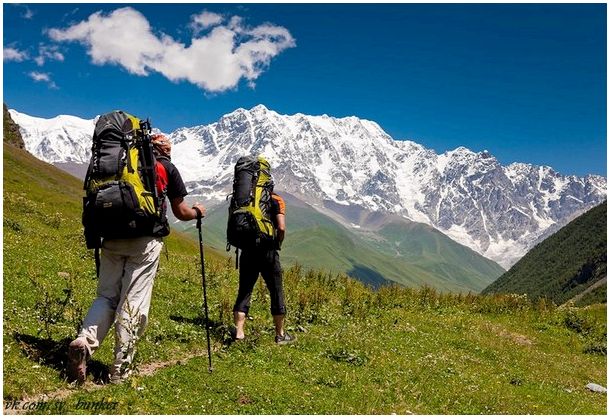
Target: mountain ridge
{"points": [[499, 211]]}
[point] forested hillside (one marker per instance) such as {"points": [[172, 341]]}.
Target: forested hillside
{"points": [[565, 265]]}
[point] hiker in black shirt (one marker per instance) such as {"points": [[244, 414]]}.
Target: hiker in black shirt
{"points": [[127, 271], [266, 261]]}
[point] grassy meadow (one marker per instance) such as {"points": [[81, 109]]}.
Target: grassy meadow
{"points": [[393, 350]]}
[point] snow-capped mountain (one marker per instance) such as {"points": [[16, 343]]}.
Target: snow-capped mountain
{"points": [[499, 211], [62, 139]]}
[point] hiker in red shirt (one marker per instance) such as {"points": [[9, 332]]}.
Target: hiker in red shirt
{"points": [[126, 275]]}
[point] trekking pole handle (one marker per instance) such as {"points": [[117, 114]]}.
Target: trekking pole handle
{"points": [[199, 215]]}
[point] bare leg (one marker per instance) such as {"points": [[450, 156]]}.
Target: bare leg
{"points": [[278, 321], [239, 318]]}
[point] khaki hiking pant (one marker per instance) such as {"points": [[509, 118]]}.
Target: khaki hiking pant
{"points": [[127, 273]]}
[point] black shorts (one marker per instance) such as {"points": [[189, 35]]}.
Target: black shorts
{"points": [[267, 263]]}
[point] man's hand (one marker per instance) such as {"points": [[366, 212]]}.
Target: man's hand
{"points": [[183, 212], [199, 210]]}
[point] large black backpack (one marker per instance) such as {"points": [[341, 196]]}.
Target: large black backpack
{"points": [[121, 198], [249, 224]]}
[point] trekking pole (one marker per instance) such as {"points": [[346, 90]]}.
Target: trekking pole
{"points": [[205, 296]]}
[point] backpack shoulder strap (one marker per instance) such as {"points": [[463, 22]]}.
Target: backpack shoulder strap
{"points": [[148, 160], [97, 262]]}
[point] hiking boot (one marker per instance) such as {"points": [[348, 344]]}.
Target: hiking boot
{"points": [[285, 339], [77, 361], [233, 332], [116, 379], [119, 374]]}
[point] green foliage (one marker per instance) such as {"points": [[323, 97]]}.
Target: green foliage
{"points": [[342, 355], [587, 324], [593, 295], [564, 265], [55, 309], [409, 350]]}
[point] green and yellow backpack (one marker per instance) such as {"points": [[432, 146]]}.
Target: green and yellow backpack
{"points": [[249, 224], [122, 200]]}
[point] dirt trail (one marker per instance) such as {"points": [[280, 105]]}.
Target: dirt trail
{"points": [[53, 399], [509, 335]]}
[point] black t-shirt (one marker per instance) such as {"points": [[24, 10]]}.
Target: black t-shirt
{"points": [[175, 185]]}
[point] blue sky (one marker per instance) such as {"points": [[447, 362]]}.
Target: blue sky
{"points": [[526, 82]]}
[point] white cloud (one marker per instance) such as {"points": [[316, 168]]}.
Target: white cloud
{"points": [[205, 20], [13, 54], [36, 76], [46, 52], [43, 77], [28, 13], [215, 62]]}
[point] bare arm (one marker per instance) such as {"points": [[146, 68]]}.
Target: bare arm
{"points": [[183, 211], [281, 227]]}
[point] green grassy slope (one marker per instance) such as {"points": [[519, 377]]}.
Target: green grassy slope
{"points": [[409, 351], [432, 251], [410, 254], [49, 275], [565, 264]]}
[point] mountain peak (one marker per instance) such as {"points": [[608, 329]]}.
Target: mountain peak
{"points": [[260, 111], [259, 108], [461, 150]]}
